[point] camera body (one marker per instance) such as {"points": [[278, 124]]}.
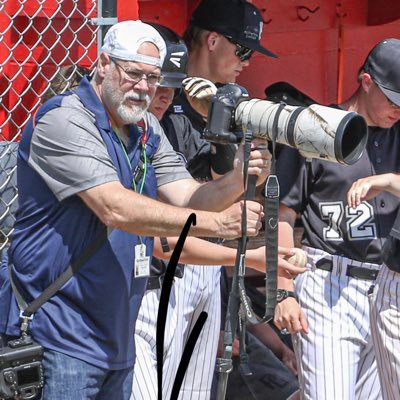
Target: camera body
{"points": [[21, 372], [221, 127]]}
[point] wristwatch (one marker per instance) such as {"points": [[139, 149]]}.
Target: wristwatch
{"points": [[282, 294]]}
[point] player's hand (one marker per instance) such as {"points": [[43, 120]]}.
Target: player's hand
{"points": [[199, 92], [259, 163], [290, 263], [368, 188], [290, 316], [256, 259], [231, 219]]}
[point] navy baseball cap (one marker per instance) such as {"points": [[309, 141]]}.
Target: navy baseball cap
{"points": [[236, 19], [383, 64]]}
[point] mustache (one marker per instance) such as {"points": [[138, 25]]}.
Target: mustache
{"points": [[137, 97]]}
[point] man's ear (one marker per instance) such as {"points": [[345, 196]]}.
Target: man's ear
{"points": [[212, 39], [366, 81], [102, 64]]}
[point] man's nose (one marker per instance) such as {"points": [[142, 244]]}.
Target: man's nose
{"points": [[142, 85]]}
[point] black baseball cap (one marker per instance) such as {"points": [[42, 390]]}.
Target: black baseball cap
{"points": [[383, 64], [236, 19]]}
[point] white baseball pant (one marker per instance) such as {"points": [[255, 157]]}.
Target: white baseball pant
{"points": [[385, 327], [197, 291], [336, 358]]}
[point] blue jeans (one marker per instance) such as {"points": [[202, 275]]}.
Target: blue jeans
{"points": [[67, 378]]}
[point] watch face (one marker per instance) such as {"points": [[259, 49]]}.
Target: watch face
{"points": [[281, 295]]}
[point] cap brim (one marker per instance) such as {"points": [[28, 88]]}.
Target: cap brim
{"points": [[257, 47], [393, 96]]}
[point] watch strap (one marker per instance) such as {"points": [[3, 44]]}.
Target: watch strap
{"points": [[282, 294]]}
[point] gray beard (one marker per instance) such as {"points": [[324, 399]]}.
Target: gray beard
{"points": [[129, 115]]}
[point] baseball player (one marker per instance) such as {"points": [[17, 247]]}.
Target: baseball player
{"points": [[198, 290], [221, 37], [384, 306], [332, 338]]}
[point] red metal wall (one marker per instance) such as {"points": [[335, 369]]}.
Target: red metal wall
{"points": [[27, 42], [321, 44]]}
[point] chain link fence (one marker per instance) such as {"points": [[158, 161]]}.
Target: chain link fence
{"points": [[43, 44]]}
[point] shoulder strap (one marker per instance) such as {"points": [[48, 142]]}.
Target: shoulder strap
{"points": [[27, 310]]}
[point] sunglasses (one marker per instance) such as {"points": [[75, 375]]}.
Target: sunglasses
{"points": [[243, 52]]}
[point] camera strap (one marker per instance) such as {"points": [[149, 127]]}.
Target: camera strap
{"points": [[271, 225], [27, 310], [271, 248], [271, 238]]}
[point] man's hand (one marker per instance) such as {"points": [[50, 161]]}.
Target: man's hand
{"points": [[289, 315], [199, 92], [231, 219], [369, 187], [259, 163]]}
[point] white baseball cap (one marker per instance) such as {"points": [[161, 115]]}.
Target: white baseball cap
{"points": [[124, 38]]}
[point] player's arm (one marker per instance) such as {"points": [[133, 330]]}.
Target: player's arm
{"points": [[369, 187], [288, 314], [202, 252]]}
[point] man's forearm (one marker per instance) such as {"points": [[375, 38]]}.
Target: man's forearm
{"points": [[124, 209], [120, 208], [218, 194]]}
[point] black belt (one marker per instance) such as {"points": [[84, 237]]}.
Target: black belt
{"points": [[391, 254], [155, 281], [352, 270]]}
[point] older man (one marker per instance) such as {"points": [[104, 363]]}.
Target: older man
{"points": [[87, 170]]}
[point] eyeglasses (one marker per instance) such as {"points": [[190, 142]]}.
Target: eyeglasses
{"points": [[243, 52], [135, 76]]}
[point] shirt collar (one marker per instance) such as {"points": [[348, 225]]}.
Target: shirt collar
{"points": [[91, 101]]}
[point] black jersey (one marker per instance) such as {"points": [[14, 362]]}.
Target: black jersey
{"points": [[319, 193], [187, 142], [182, 106]]}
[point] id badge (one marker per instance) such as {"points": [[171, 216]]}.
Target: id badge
{"points": [[142, 262]]}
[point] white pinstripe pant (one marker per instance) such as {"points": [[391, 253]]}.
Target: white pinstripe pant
{"points": [[197, 291], [336, 358], [385, 327]]}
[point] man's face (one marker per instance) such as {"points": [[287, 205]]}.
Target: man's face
{"points": [[225, 65], [380, 110], [161, 101], [126, 97]]}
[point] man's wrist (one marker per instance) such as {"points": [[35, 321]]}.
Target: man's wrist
{"points": [[282, 294]]}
